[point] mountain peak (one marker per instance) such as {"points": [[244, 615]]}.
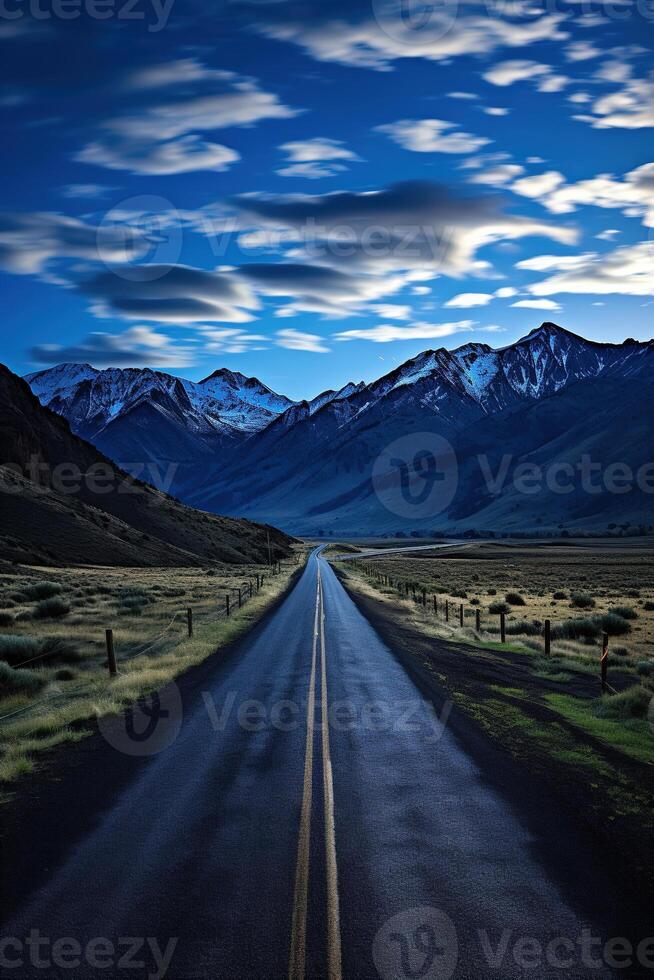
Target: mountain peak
{"points": [[548, 328], [224, 374]]}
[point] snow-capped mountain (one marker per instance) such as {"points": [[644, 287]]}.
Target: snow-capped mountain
{"points": [[92, 399], [144, 416], [240, 448], [311, 471], [541, 363]]}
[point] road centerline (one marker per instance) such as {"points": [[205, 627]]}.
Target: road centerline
{"points": [[300, 897], [333, 909]]}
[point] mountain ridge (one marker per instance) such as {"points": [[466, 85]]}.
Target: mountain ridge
{"points": [[315, 457], [62, 501]]}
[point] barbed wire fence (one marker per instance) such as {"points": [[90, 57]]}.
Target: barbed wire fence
{"points": [[454, 614], [166, 640]]}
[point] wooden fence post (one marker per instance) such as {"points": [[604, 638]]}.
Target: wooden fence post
{"points": [[435, 606], [548, 638], [239, 598], [447, 610], [604, 662], [189, 621], [503, 627], [227, 603], [461, 614], [111, 655], [478, 620]]}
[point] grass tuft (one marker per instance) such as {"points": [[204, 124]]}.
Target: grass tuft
{"points": [[14, 681], [581, 600], [54, 608]]}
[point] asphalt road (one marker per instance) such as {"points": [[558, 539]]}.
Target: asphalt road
{"points": [[309, 813]]}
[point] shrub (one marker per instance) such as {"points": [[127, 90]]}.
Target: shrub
{"points": [[515, 599], [613, 625], [6, 619], [581, 600], [499, 607], [524, 627], [645, 668], [632, 594], [649, 606], [627, 612], [576, 629], [17, 649], [51, 609], [620, 651], [41, 590], [492, 591], [130, 605], [474, 602], [65, 674], [14, 681], [58, 649], [129, 610], [459, 594], [560, 595], [632, 703], [135, 597]]}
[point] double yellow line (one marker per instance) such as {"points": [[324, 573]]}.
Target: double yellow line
{"points": [[297, 959]]}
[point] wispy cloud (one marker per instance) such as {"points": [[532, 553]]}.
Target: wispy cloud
{"points": [[385, 333], [138, 346], [432, 136], [297, 340]]}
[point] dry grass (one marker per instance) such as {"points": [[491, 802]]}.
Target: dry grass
{"points": [[549, 579], [140, 605]]}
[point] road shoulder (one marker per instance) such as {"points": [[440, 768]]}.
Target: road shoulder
{"points": [[545, 769]]}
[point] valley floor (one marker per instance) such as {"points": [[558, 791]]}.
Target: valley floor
{"points": [[317, 812]]}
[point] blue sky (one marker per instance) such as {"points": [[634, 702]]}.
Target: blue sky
{"points": [[312, 193]]}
